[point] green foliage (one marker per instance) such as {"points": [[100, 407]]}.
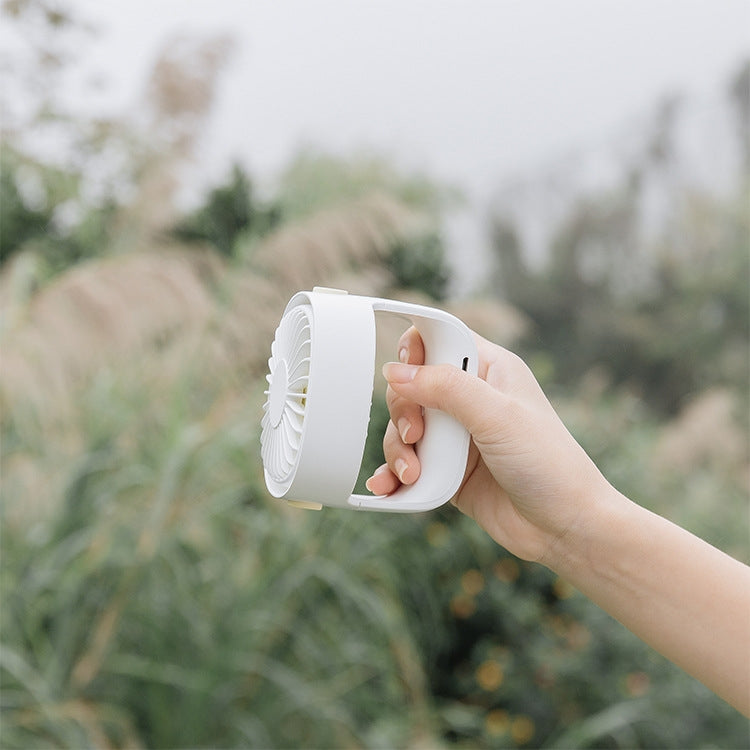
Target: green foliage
{"points": [[665, 310], [684, 327], [517, 658], [420, 265], [228, 211], [19, 221], [166, 584], [37, 220], [164, 600]]}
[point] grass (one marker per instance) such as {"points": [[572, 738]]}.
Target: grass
{"points": [[157, 597], [163, 600], [154, 595]]}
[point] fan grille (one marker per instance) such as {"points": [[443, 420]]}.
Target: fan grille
{"points": [[286, 397]]}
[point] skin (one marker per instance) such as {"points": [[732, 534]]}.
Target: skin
{"points": [[537, 493]]}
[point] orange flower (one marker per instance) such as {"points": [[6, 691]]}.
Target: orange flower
{"points": [[489, 675], [472, 582], [522, 730], [463, 606]]}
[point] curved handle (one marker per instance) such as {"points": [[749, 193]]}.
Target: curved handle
{"points": [[444, 447]]}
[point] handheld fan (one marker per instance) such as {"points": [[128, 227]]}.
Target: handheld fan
{"points": [[318, 403]]}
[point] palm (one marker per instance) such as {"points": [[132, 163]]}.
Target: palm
{"points": [[482, 498]]}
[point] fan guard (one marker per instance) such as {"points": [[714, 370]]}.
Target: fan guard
{"points": [[286, 397]]}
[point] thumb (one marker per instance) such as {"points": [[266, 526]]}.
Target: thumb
{"points": [[467, 398]]}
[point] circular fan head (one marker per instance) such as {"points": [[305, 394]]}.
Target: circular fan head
{"points": [[318, 399], [288, 377]]}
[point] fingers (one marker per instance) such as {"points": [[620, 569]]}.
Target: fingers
{"points": [[401, 467], [401, 458], [466, 397], [486, 404], [406, 414], [383, 481], [411, 386], [405, 428]]}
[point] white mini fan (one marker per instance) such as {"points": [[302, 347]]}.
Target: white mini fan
{"points": [[318, 403]]}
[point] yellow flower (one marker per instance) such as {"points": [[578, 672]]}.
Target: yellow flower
{"points": [[496, 722], [489, 675], [437, 534], [463, 606], [522, 730]]}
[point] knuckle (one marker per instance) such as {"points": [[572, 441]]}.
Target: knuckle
{"points": [[406, 337], [391, 399], [391, 439], [392, 452], [446, 380], [399, 406], [412, 340]]}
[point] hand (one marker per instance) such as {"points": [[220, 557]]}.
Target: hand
{"points": [[527, 481], [533, 488]]}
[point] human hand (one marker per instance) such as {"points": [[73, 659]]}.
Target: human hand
{"points": [[533, 488], [527, 481]]}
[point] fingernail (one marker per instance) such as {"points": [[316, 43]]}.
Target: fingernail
{"points": [[401, 466], [377, 471], [404, 425], [403, 354], [394, 372]]}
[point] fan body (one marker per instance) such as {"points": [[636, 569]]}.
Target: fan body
{"points": [[319, 397]]}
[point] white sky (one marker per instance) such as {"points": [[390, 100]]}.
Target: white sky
{"points": [[469, 90]]}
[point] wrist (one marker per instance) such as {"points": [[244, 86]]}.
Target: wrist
{"points": [[578, 550]]}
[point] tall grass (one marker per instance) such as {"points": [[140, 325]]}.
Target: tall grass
{"points": [[165, 601], [162, 599]]}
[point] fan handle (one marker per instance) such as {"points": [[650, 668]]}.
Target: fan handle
{"points": [[444, 447]]}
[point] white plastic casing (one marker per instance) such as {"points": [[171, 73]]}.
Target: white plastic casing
{"points": [[324, 466]]}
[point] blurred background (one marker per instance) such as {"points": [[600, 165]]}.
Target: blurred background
{"points": [[572, 179]]}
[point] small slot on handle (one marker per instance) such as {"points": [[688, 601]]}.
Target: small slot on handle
{"points": [[465, 364]]}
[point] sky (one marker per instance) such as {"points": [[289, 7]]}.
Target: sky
{"points": [[470, 91]]}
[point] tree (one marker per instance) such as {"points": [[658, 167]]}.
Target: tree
{"points": [[228, 210]]}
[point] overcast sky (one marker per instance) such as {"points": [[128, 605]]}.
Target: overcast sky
{"points": [[469, 90]]}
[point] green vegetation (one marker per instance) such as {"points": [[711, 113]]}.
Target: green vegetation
{"points": [[668, 322], [37, 220], [229, 210], [154, 595]]}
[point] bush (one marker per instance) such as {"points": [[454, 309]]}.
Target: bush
{"points": [[229, 210], [37, 221]]}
